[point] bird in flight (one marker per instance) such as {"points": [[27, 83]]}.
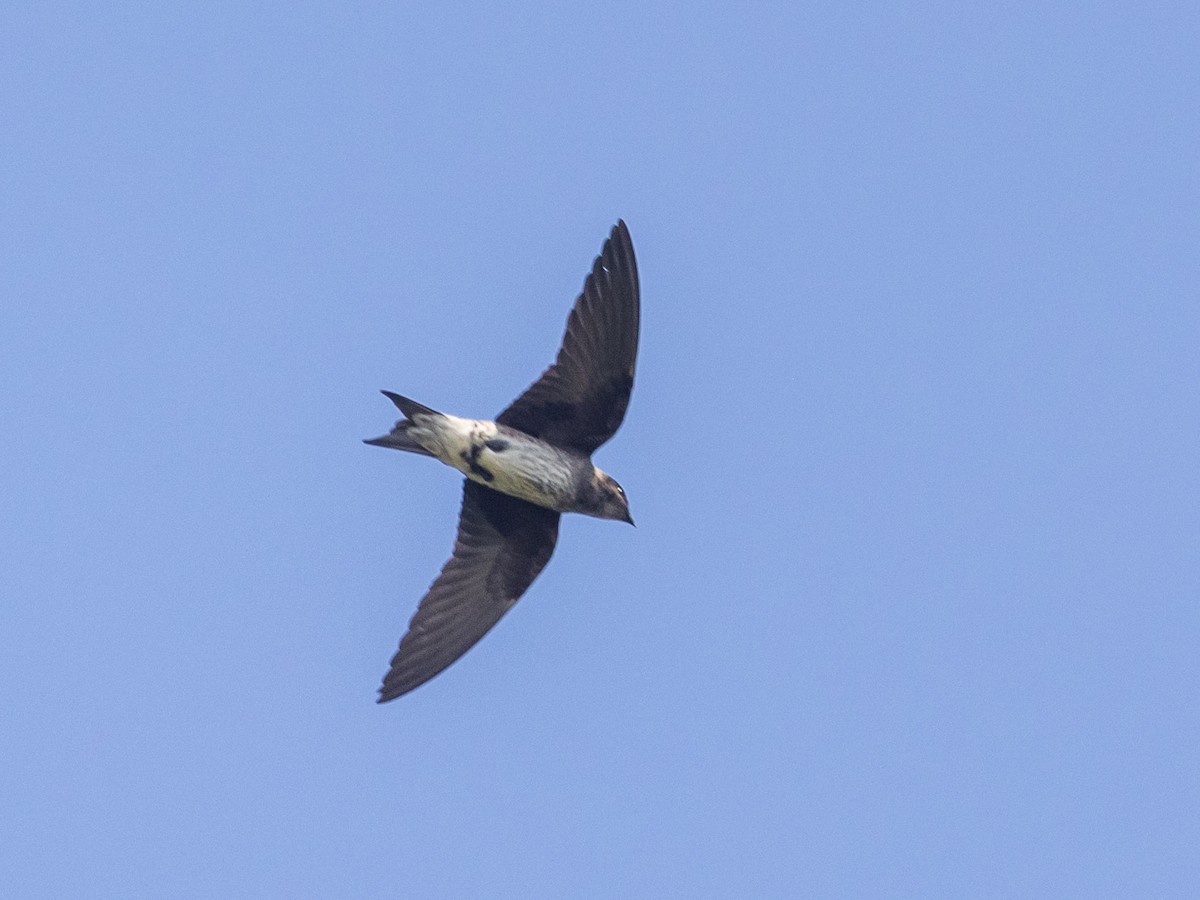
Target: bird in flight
{"points": [[526, 468]]}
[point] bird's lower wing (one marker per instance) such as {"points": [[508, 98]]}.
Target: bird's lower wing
{"points": [[502, 545]]}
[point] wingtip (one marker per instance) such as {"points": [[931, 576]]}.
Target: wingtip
{"points": [[387, 694], [619, 247]]}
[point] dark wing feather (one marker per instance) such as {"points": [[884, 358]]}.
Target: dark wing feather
{"points": [[579, 401], [502, 545]]}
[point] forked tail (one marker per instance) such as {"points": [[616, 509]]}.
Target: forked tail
{"points": [[398, 438]]}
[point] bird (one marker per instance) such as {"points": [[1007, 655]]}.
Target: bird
{"points": [[523, 470]]}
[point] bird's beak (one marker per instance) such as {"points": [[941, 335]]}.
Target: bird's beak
{"points": [[629, 519]]}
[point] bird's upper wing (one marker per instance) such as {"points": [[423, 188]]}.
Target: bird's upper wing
{"points": [[579, 401], [502, 545]]}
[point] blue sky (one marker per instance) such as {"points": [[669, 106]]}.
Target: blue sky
{"points": [[911, 609]]}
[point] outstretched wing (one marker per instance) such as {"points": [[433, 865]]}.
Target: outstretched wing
{"points": [[579, 401], [502, 545]]}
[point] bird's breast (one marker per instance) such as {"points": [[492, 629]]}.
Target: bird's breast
{"points": [[500, 458]]}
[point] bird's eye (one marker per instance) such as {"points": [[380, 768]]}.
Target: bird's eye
{"points": [[620, 490]]}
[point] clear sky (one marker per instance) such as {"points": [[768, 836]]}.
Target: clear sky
{"points": [[912, 607]]}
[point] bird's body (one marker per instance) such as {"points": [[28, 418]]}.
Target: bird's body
{"points": [[523, 470], [504, 459]]}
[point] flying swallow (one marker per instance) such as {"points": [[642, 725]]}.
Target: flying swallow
{"points": [[526, 468]]}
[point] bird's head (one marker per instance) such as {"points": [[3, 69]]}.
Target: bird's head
{"points": [[610, 501]]}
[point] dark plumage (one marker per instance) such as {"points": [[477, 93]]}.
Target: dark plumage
{"points": [[523, 470]]}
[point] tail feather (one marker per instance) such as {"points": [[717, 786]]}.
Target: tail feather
{"points": [[398, 439], [410, 408]]}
